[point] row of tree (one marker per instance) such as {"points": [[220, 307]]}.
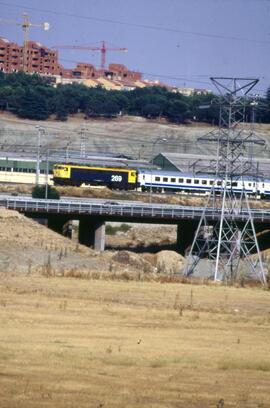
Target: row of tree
{"points": [[35, 97]]}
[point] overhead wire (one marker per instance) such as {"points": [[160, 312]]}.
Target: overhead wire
{"points": [[133, 24], [145, 26]]}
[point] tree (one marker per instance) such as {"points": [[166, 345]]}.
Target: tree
{"points": [[151, 110], [61, 108], [5, 94], [177, 111], [33, 105], [40, 192]]}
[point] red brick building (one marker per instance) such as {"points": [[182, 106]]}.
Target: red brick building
{"points": [[39, 58], [89, 71]]}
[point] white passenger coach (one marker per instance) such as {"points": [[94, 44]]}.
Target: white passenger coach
{"points": [[160, 181]]}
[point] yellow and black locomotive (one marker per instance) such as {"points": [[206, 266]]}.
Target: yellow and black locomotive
{"points": [[77, 175]]}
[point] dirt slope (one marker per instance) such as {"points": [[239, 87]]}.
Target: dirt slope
{"points": [[27, 247]]}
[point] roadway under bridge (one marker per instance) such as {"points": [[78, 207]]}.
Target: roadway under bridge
{"points": [[93, 215]]}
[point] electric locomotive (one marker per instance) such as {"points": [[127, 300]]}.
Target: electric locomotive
{"points": [[78, 175]]}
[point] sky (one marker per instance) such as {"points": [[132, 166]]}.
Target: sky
{"points": [[179, 42]]}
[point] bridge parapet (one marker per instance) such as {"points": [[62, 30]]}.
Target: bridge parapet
{"points": [[125, 210]]}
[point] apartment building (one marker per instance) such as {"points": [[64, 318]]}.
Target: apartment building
{"points": [[38, 58]]}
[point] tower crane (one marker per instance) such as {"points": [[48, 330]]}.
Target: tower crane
{"points": [[103, 50], [25, 24]]}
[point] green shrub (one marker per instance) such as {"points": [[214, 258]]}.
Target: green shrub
{"points": [[111, 230], [40, 192]]}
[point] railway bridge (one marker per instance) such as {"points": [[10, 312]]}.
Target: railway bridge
{"points": [[92, 215]]}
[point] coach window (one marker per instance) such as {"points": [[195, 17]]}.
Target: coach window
{"points": [[157, 178], [234, 184], [204, 182], [165, 179], [196, 181], [219, 183], [181, 180], [188, 181], [211, 182], [173, 180], [249, 184]]}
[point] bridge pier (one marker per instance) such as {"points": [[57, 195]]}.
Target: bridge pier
{"points": [[92, 233], [185, 234]]}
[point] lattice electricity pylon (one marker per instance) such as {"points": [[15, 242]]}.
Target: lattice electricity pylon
{"points": [[230, 245]]}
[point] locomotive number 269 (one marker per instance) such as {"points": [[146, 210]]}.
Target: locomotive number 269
{"points": [[116, 178]]}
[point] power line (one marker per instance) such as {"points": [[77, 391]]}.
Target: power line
{"points": [[138, 25], [173, 77]]}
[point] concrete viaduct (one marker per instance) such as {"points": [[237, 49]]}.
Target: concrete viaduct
{"points": [[92, 215]]}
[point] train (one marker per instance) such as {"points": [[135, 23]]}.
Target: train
{"points": [[155, 180], [78, 175]]}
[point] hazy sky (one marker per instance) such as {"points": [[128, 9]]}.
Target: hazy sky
{"points": [[182, 42]]}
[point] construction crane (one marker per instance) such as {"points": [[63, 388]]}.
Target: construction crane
{"points": [[103, 50], [25, 24]]}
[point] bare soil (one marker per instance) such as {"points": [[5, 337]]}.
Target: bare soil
{"points": [[27, 247]]}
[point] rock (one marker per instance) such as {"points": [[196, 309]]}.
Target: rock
{"points": [[133, 260], [169, 262]]}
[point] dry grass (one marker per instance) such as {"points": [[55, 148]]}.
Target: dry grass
{"points": [[77, 343]]}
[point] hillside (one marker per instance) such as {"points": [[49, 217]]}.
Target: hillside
{"points": [[128, 135], [133, 136]]}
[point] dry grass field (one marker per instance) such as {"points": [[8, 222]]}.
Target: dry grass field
{"points": [[68, 342]]}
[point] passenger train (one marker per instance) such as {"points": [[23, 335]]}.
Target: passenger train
{"points": [[154, 180]]}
